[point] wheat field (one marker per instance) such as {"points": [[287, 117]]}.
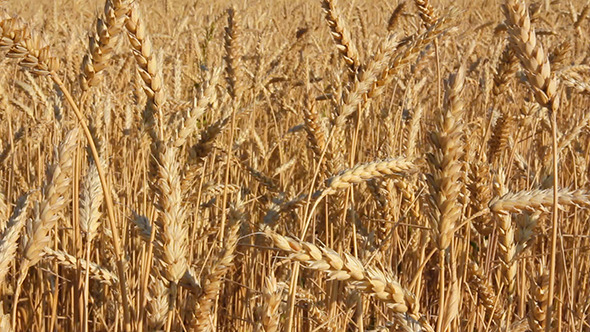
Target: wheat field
{"points": [[294, 165]]}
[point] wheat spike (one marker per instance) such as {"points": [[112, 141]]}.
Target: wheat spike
{"points": [[349, 269], [97, 272], [538, 199], [531, 53], [10, 236], [18, 42], [364, 172], [342, 35], [100, 44]]}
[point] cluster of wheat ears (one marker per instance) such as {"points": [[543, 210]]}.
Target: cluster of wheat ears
{"points": [[294, 166]]}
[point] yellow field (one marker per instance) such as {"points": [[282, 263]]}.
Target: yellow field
{"points": [[294, 165]]}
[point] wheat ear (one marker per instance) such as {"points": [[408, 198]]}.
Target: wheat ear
{"points": [[158, 304], [171, 221], [537, 315], [445, 165], [189, 126], [214, 280], [525, 230], [506, 242], [408, 55], [172, 231], [8, 243], [271, 306], [427, 12], [486, 294], [100, 44], [54, 192], [232, 54], [480, 194], [348, 268], [531, 54], [208, 135], [359, 94], [148, 70], [395, 16], [97, 272], [188, 280], [90, 202], [506, 69], [315, 130], [364, 172], [342, 36], [500, 139], [17, 42], [538, 200]]}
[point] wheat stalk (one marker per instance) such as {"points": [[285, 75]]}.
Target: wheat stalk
{"points": [[3, 208]]}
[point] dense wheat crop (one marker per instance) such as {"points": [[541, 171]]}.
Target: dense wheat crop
{"points": [[294, 165]]}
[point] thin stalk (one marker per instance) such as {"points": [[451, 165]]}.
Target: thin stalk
{"points": [[555, 223], [441, 291]]}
